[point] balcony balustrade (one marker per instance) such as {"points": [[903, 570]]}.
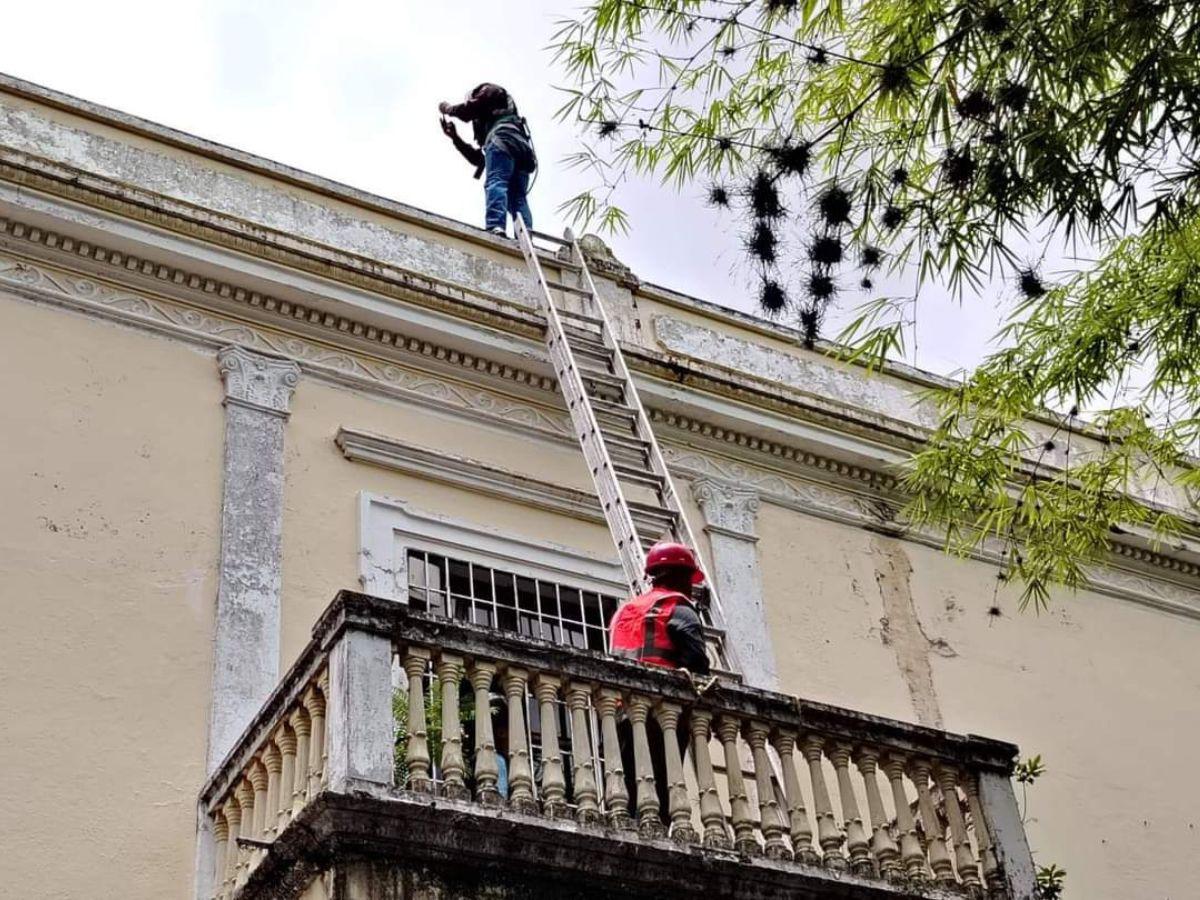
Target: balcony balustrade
{"points": [[766, 795]]}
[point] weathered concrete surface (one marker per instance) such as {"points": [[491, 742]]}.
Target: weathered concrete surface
{"points": [[900, 628], [1008, 835], [359, 711], [730, 513], [246, 640], [404, 847], [264, 202]]}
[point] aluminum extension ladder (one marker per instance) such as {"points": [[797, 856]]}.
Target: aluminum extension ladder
{"points": [[640, 502]]}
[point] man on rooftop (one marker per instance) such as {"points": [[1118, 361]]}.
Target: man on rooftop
{"points": [[504, 151]]}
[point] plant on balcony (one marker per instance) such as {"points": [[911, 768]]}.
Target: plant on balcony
{"points": [[433, 728]]}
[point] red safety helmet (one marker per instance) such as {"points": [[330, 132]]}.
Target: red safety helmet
{"points": [[667, 554]]}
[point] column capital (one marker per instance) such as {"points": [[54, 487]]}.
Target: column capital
{"points": [[727, 507], [257, 381]]}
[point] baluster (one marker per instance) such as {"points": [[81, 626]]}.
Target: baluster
{"points": [[739, 804], [648, 821], [520, 775], [887, 854], [679, 809], [935, 835], [554, 785], [323, 684], [712, 816], [454, 783], [417, 754], [285, 740], [616, 796], [259, 779], [227, 874], [801, 832], [911, 853], [856, 835], [487, 769], [244, 856], [273, 760], [301, 727], [770, 816], [992, 873], [586, 799], [964, 857], [314, 703], [220, 831], [828, 835]]}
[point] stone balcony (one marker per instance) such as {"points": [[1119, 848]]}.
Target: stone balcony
{"points": [[770, 796]]}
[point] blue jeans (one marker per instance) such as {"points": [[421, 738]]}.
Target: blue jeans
{"points": [[504, 189]]}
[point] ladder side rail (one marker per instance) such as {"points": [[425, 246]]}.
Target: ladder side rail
{"points": [[616, 513], [635, 401]]}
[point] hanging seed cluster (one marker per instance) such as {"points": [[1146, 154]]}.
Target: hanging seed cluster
{"points": [[838, 216]]}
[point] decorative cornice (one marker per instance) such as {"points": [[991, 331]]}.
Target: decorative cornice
{"points": [[872, 477], [209, 329], [461, 471], [727, 507], [257, 381], [292, 311]]}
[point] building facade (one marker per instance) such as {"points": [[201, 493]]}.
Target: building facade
{"points": [[236, 390]]}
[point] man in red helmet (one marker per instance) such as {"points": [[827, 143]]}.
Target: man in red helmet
{"points": [[661, 627]]}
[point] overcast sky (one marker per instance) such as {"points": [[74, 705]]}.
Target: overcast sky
{"points": [[350, 91]]}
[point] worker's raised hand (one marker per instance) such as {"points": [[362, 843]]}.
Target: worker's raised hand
{"points": [[448, 129]]}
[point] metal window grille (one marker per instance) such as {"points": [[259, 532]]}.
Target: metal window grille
{"points": [[470, 592]]}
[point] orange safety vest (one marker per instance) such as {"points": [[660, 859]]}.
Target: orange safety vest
{"points": [[639, 628]]}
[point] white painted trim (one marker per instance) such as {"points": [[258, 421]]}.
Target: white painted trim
{"points": [[388, 527], [464, 472]]}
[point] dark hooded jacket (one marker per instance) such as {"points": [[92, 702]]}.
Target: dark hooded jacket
{"points": [[495, 120]]}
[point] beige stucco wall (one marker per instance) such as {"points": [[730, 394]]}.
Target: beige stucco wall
{"points": [[1107, 691], [110, 465], [321, 494]]}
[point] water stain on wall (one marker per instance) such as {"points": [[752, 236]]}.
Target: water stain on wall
{"points": [[901, 629]]}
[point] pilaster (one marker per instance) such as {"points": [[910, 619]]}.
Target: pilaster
{"points": [[730, 514], [258, 390]]}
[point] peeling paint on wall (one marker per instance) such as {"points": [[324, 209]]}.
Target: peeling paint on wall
{"points": [[901, 630]]}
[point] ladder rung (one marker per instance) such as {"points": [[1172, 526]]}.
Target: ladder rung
{"points": [[645, 509], [562, 242], [603, 388], [599, 362], [618, 412], [612, 382], [663, 519], [590, 349], [582, 335], [564, 264], [581, 317], [639, 475], [626, 442], [631, 456], [567, 288]]}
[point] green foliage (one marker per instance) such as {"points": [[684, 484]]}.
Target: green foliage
{"points": [[1029, 770], [961, 135], [433, 728], [1050, 882]]}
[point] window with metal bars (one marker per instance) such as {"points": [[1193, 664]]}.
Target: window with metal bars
{"points": [[483, 595]]}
